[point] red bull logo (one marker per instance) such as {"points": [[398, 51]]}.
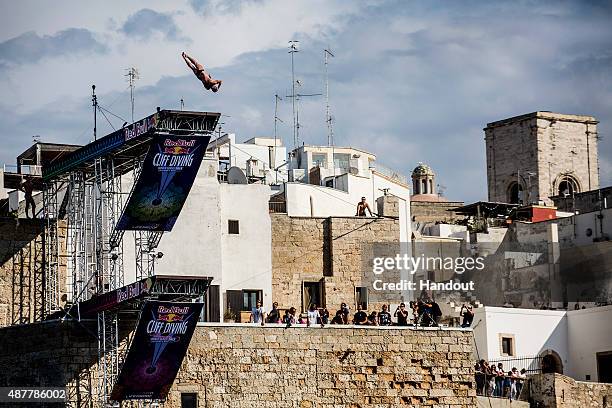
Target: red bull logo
{"points": [[176, 150], [170, 317]]}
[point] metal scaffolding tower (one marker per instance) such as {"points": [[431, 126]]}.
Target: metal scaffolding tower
{"points": [[86, 191]]}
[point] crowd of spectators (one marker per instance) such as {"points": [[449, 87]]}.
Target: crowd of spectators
{"points": [[493, 381], [425, 313]]}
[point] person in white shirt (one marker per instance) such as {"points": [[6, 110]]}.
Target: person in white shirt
{"points": [[258, 313], [313, 316]]}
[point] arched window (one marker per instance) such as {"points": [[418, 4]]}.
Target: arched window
{"points": [[568, 186], [423, 187], [431, 190], [515, 193]]}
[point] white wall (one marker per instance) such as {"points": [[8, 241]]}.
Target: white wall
{"points": [[589, 332], [449, 231], [534, 331], [200, 245], [576, 335], [242, 152], [306, 200], [246, 257]]}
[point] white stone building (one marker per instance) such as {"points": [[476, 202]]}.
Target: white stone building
{"points": [[577, 343], [329, 181], [259, 158]]}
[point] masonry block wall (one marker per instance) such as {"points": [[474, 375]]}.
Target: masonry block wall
{"points": [[21, 269], [431, 212], [560, 391], [331, 367], [551, 146], [332, 250], [274, 367]]}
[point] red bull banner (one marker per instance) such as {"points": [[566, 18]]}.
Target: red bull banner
{"points": [[157, 350], [167, 175]]}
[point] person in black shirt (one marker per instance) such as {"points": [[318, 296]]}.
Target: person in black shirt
{"points": [[384, 317], [274, 315], [402, 315], [324, 316], [373, 318], [338, 318], [345, 313], [360, 317], [467, 314], [436, 312]]}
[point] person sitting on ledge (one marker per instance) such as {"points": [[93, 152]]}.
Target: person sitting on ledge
{"points": [[361, 317], [258, 313], [362, 206], [313, 317], [384, 317]]}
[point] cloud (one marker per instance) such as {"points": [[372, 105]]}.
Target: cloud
{"points": [[146, 22], [29, 47], [410, 81], [220, 7]]}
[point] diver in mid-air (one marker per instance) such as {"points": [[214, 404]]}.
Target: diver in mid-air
{"points": [[201, 74]]}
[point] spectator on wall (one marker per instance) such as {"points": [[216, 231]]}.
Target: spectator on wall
{"points": [[312, 316], [401, 314], [373, 318], [258, 313], [289, 318], [467, 314], [499, 380], [384, 317], [361, 317], [345, 312], [338, 318], [274, 315], [324, 316]]}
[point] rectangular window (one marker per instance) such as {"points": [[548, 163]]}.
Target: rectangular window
{"points": [[341, 160], [312, 292], [507, 345], [361, 297], [189, 400], [319, 160], [233, 227], [250, 298]]}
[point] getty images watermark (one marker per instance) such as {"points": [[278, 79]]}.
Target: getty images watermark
{"points": [[400, 265]]}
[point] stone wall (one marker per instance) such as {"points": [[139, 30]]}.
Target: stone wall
{"points": [[330, 250], [560, 391], [248, 366], [21, 269], [431, 212]]}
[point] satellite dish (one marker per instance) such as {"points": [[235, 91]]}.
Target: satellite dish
{"points": [[236, 176]]}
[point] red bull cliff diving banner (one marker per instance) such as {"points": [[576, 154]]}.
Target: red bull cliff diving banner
{"points": [[157, 350], [166, 178]]}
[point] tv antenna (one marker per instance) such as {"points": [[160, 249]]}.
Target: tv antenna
{"points": [[276, 120], [293, 48], [132, 75], [328, 118], [94, 103]]}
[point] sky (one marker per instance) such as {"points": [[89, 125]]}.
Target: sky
{"points": [[410, 81]]}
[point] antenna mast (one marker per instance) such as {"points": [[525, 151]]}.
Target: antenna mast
{"points": [[94, 103], [132, 75], [276, 119], [328, 119], [293, 48]]}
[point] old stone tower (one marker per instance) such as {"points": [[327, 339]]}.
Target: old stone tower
{"points": [[539, 155]]}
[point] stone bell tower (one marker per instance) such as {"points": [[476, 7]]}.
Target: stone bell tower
{"points": [[533, 157]]}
